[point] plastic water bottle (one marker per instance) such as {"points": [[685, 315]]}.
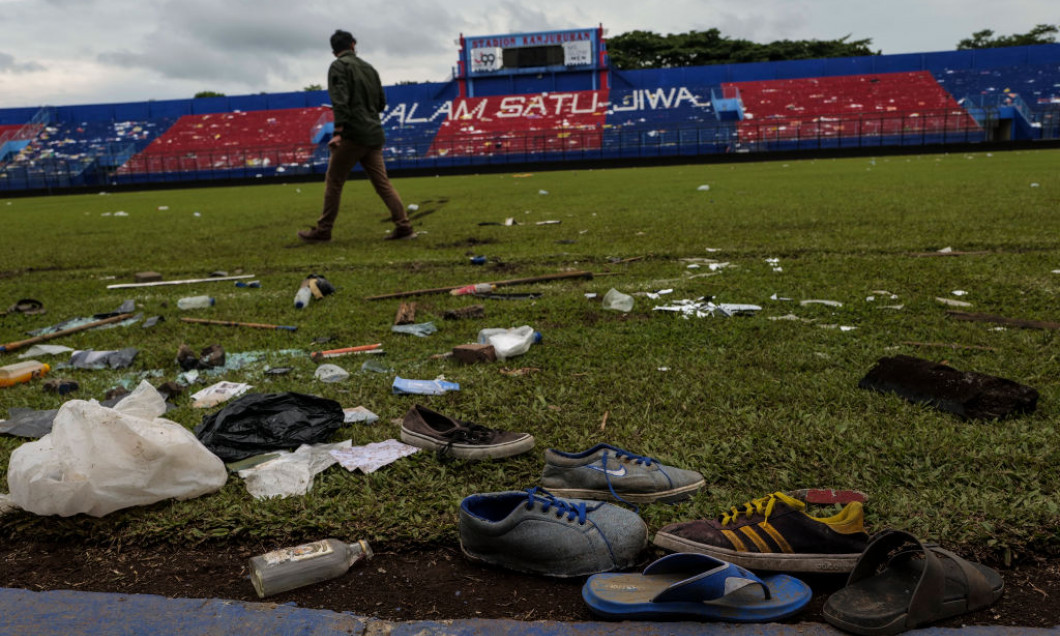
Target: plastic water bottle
{"points": [[20, 372], [290, 568], [301, 299], [195, 302]]}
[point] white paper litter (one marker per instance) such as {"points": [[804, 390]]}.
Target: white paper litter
{"points": [[703, 308], [953, 303], [813, 301], [356, 414], [218, 393], [372, 457]]}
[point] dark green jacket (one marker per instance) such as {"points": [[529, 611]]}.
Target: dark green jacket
{"points": [[357, 99]]}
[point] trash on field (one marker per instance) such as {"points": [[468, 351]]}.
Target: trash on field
{"points": [[542, 191], [265, 422], [959, 292], [372, 457], [21, 372], [317, 356], [510, 221], [775, 264], [22, 422], [210, 357], [703, 188], [478, 288], [331, 373], [291, 568], [703, 307], [549, 222], [217, 393], [792, 317], [965, 393], [290, 473], [355, 414], [662, 292], [375, 366], [950, 302], [152, 321], [60, 386], [718, 266], [693, 266], [403, 386], [421, 330], [413, 207], [89, 359], [255, 284], [839, 327], [814, 301], [508, 343], [473, 353], [779, 298], [617, 301], [98, 459]]}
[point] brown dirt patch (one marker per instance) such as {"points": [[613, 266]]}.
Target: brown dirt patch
{"points": [[433, 584]]}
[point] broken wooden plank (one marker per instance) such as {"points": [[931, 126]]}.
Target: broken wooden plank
{"points": [[406, 314], [1001, 320], [965, 393]]}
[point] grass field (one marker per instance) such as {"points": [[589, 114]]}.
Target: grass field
{"points": [[754, 404]]}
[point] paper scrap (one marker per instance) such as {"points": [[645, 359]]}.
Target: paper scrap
{"points": [[372, 457]]}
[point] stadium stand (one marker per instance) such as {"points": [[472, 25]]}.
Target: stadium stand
{"points": [[220, 141], [874, 105], [909, 99]]}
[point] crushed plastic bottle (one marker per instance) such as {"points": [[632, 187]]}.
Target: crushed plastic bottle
{"points": [[617, 301], [20, 372], [290, 568], [195, 302]]}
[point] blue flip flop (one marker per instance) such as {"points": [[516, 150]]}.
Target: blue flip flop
{"points": [[686, 586]]}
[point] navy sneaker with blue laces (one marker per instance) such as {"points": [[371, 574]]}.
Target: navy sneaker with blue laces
{"points": [[605, 472]]}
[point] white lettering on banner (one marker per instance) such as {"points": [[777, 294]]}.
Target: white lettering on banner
{"points": [[541, 105]]}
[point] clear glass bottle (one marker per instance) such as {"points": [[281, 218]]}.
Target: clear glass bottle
{"points": [[195, 302], [290, 568]]}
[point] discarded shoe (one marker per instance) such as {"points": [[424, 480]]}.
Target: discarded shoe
{"points": [[606, 472], [533, 531], [773, 533], [910, 591], [452, 438], [314, 235], [400, 235], [688, 586]]}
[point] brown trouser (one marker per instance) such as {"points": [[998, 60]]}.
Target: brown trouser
{"points": [[343, 159]]}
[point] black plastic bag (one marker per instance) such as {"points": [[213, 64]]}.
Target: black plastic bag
{"points": [[262, 422]]}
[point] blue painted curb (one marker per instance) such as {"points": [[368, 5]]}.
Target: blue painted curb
{"points": [[69, 613]]}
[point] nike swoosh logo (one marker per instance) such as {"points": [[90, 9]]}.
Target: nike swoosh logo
{"points": [[617, 472]]}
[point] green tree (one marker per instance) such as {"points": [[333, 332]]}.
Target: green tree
{"points": [[645, 49], [313, 87], [208, 94], [1040, 34]]}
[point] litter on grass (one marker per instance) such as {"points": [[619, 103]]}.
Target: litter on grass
{"points": [[404, 386], [813, 301], [704, 307], [617, 301], [44, 350], [331, 373], [355, 414], [291, 473], [950, 302], [89, 359], [372, 457], [421, 330], [218, 393]]}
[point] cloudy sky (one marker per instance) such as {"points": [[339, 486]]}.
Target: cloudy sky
{"points": [[58, 52]]}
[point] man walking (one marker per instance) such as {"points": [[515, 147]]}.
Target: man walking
{"points": [[357, 98]]}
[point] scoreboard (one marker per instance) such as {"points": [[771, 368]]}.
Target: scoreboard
{"points": [[526, 53]]}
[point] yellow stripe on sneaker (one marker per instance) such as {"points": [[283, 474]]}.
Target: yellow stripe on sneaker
{"points": [[734, 540], [779, 538], [753, 536]]}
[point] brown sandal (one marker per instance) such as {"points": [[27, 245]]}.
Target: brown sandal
{"points": [[922, 583]]}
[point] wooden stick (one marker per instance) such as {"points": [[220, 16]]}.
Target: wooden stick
{"points": [[332, 353], [179, 282], [1011, 322], [498, 283], [11, 346], [231, 323], [948, 345]]}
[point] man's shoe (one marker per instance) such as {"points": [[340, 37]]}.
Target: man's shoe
{"points": [[606, 472], [533, 531], [452, 438], [314, 235], [400, 235], [774, 533]]}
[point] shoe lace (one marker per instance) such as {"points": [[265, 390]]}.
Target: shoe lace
{"points": [[762, 506], [471, 434], [624, 455], [573, 511]]}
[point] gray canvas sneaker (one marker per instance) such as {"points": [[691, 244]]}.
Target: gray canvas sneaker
{"points": [[606, 472], [533, 531]]}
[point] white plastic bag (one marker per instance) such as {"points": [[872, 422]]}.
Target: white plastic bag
{"points": [[508, 343], [292, 472], [97, 459]]}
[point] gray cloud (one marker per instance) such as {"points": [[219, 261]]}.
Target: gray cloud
{"points": [[8, 64]]}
